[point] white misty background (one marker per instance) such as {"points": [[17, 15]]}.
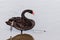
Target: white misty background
{"points": [[47, 17]]}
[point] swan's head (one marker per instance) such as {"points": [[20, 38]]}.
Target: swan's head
{"points": [[29, 11]]}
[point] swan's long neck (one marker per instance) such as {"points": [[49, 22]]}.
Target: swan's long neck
{"points": [[23, 14]]}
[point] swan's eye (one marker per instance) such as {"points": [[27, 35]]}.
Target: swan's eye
{"points": [[31, 12]]}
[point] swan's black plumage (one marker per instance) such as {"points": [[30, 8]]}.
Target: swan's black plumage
{"points": [[22, 23]]}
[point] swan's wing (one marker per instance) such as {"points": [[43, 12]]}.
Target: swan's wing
{"points": [[14, 18], [18, 26]]}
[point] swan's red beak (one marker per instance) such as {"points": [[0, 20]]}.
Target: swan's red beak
{"points": [[33, 13]]}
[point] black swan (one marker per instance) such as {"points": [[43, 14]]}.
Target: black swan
{"points": [[22, 23]]}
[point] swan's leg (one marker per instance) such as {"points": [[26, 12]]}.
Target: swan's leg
{"points": [[11, 33], [11, 29], [11, 25], [21, 31]]}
